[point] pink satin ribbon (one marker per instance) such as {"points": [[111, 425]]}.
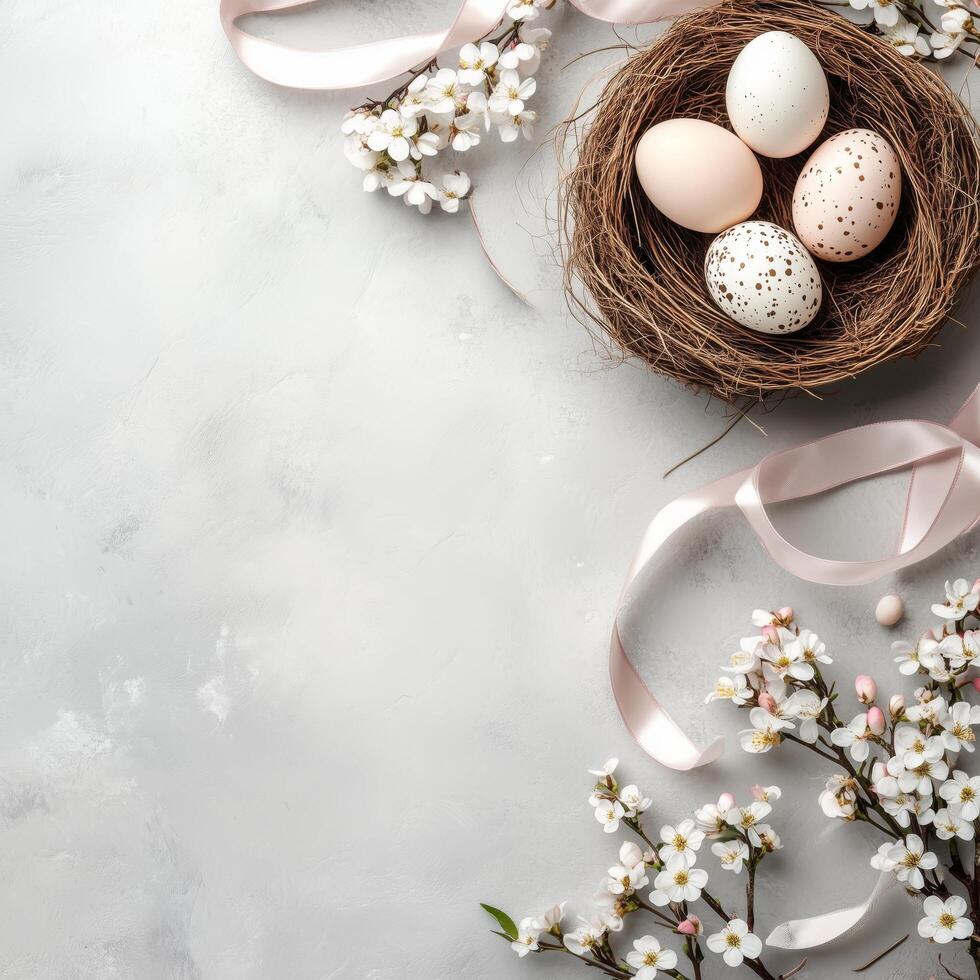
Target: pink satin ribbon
{"points": [[376, 61], [943, 502]]}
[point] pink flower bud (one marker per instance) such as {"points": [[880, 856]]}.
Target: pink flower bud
{"points": [[866, 688], [771, 635], [785, 614], [976, 586], [767, 701], [896, 706], [726, 802], [691, 926], [876, 720], [976, 683]]}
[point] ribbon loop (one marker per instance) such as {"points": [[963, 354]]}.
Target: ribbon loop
{"points": [[943, 503]]}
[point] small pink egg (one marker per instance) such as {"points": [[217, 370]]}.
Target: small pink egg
{"points": [[847, 196], [889, 610]]}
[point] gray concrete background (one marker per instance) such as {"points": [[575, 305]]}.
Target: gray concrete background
{"points": [[312, 534]]}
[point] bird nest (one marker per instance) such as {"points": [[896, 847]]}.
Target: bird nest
{"points": [[637, 278]]}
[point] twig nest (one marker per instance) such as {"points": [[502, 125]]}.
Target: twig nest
{"points": [[638, 278]]}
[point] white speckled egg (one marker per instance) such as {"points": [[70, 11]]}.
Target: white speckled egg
{"points": [[763, 278], [777, 95], [847, 195]]}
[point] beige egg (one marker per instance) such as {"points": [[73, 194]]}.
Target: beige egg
{"points": [[699, 175], [847, 196]]}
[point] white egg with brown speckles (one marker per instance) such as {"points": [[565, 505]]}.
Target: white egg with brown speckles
{"points": [[847, 196], [777, 95], [763, 278]]}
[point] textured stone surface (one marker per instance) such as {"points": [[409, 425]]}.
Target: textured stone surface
{"points": [[312, 533]]}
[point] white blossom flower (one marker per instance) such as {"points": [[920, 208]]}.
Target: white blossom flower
{"points": [[465, 131], [711, 817], [360, 154], [809, 647], [550, 918], [855, 737], [523, 9], [960, 597], [746, 658], [911, 859], [768, 794], [806, 707], [414, 103], [839, 799], [732, 854], [424, 145], [903, 36], [527, 938], [475, 62], [911, 746], [379, 177], [626, 880], [634, 801], [510, 94], [609, 813], [735, 689], [678, 882], [684, 840], [774, 617], [885, 12], [932, 712], [903, 806], [451, 189], [393, 133], [961, 651], [764, 733], [945, 921], [586, 938], [963, 791], [768, 838], [949, 823], [919, 780], [735, 943], [956, 18], [442, 90], [510, 127], [786, 662], [881, 860], [648, 957], [607, 769], [608, 909], [525, 54], [746, 818], [906, 656], [958, 726], [408, 184]]}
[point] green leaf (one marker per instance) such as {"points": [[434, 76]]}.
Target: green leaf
{"points": [[506, 922]]}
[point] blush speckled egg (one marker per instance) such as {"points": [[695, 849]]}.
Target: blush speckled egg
{"points": [[777, 95], [847, 196], [699, 175], [763, 278]]}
